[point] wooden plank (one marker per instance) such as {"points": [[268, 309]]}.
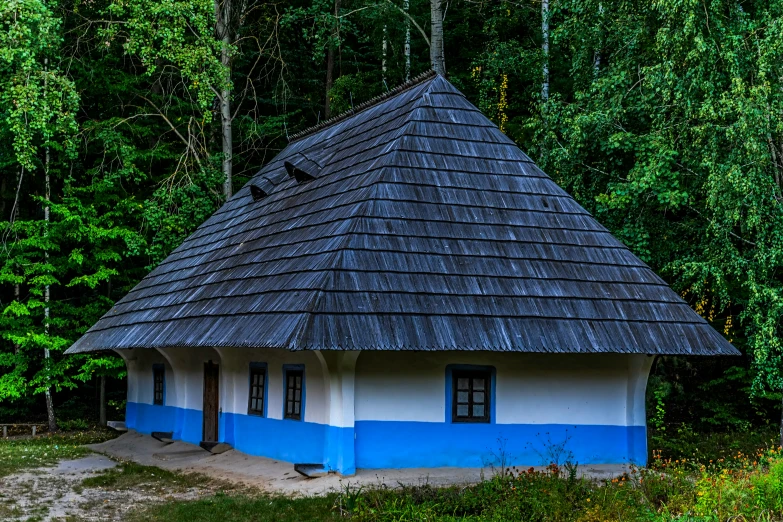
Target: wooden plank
{"points": [[211, 401]]}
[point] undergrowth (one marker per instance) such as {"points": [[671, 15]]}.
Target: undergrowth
{"points": [[741, 487]]}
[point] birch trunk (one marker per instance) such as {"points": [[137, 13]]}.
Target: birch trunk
{"points": [[47, 195], [384, 48], [330, 62], [597, 53], [14, 214], [436, 37], [223, 30], [48, 393], [406, 7], [545, 48]]}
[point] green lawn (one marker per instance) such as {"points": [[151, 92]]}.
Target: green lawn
{"points": [[242, 508], [46, 450]]}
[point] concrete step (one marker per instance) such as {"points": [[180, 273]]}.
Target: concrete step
{"points": [[163, 436], [215, 447], [311, 470], [117, 425]]}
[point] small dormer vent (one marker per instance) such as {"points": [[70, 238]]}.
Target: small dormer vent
{"points": [[302, 168], [257, 192]]}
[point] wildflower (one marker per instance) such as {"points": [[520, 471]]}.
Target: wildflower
{"points": [[588, 500]]}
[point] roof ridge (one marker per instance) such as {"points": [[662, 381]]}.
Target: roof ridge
{"points": [[364, 106]]}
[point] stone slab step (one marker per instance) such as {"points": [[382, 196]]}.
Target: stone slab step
{"points": [[215, 447], [311, 470], [117, 425]]}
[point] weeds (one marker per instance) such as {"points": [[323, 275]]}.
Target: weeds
{"points": [[742, 487]]}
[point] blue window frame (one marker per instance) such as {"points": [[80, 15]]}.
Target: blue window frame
{"points": [[293, 391], [470, 394], [258, 386], [158, 384]]}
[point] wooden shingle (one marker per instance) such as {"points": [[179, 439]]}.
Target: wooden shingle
{"points": [[412, 223]]}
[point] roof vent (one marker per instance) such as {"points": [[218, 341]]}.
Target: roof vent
{"points": [[257, 192], [302, 168]]}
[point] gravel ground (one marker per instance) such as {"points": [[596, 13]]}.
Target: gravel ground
{"points": [[57, 494]]}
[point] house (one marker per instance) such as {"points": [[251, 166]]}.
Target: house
{"points": [[401, 287]]}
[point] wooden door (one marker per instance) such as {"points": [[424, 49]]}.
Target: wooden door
{"points": [[211, 401]]}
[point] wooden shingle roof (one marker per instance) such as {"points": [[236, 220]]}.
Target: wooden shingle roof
{"points": [[411, 224]]}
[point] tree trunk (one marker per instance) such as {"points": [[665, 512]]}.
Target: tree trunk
{"points": [[222, 28], [406, 8], [17, 295], [436, 37], [330, 63], [384, 48], [102, 404], [545, 48], [781, 422], [597, 53], [47, 196], [12, 219]]}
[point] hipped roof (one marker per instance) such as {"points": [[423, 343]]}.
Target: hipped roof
{"points": [[413, 224]]}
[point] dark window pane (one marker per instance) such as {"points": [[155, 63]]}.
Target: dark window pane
{"points": [[298, 395], [290, 394], [470, 401], [289, 408], [298, 382], [296, 408]]}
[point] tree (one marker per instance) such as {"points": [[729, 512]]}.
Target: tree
{"points": [[437, 58]]}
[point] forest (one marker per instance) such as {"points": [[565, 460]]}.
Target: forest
{"points": [[126, 123]]}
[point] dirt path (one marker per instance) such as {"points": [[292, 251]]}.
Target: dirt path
{"points": [[57, 493]]}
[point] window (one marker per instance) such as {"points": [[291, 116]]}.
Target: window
{"points": [[255, 405], [159, 384], [294, 391], [471, 391]]}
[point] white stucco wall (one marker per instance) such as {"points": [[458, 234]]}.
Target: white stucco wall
{"points": [[234, 386], [185, 378], [606, 389], [603, 389]]}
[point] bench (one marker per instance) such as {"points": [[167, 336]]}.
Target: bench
{"points": [[17, 424]]}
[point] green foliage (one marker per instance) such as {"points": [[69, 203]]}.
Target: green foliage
{"points": [[673, 142], [39, 101]]}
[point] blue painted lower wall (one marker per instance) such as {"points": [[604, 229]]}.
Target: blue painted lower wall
{"points": [[394, 444], [397, 444]]}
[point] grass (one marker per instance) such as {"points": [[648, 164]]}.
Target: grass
{"points": [[129, 475], [46, 450], [742, 487], [242, 508]]}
